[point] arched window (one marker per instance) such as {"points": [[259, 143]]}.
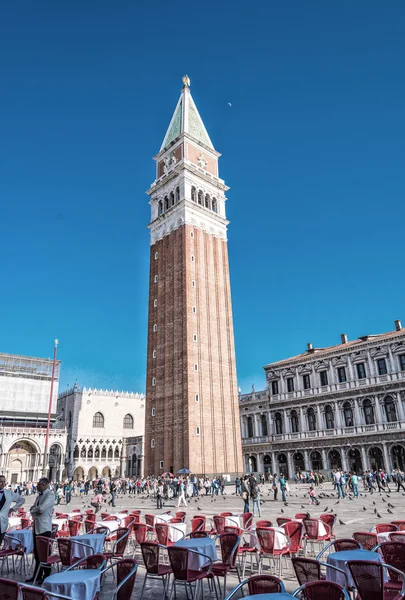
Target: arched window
{"points": [[368, 412], [265, 430], [294, 421], [390, 410], [110, 452], [98, 420], [90, 452], [278, 421], [128, 422], [160, 207], [193, 194], [171, 198], [207, 201], [329, 417], [214, 205], [97, 452], [200, 197], [348, 414], [104, 452], [250, 426], [76, 452], [166, 203], [177, 194], [83, 452], [311, 419], [116, 452]]}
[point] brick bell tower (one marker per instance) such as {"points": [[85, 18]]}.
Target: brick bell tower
{"points": [[192, 411]]}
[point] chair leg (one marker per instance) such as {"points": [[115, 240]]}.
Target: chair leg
{"points": [[143, 587]]}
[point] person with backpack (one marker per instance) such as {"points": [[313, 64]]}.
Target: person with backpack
{"points": [[245, 494], [283, 486]]}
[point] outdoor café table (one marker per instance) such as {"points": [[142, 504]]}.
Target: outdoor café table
{"points": [[25, 538], [280, 538], [321, 530], [112, 525], [273, 596], [81, 583], [204, 546], [163, 518], [95, 540], [234, 521], [13, 523], [177, 531], [339, 559], [385, 537], [60, 523]]}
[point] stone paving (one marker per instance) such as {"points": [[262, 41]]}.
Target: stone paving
{"points": [[352, 515]]}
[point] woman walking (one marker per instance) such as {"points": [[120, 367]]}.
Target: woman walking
{"points": [[245, 494]]}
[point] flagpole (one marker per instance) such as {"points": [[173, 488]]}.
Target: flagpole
{"points": [[44, 466]]}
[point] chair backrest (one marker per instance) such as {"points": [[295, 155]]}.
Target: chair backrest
{"points": [[9, 589], [402, 527], [44, 546], [29, 593], [198, 534], [181, 515], [225, 514], [124, 568], [122, 534], [311, 528], [302, 516], [124, 511], [162, 533], [128, 522], [150, 520], [140, 531], [385, 528], [91, 517], [397, 536], [77, 518], [219, 523], [179, 558], [367, 539], [263, 523], [111, 518], [89, 511], [293, 530], [398, 523], [101, 529], [65, 551], [229, 544], [329, 520], [198, 524], [74, 527], [104, 515], [319, 590], [368, 578], [94, 561], [282, 520], [150, 554], [266, 536], [393, 554], [76, 510], [265, 584], [306, 569], [25, 523], [346, 544], [176, 520], [247, 519], [88, 525], [232, 529]]}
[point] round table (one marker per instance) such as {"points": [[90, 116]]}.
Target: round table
{"points": [[339, 559], [80, 583], [60, 523], [280, 538], [177, 531], [234, 521], [202, 545], [112, 525], [163, 518], [385, 537], [13, 523], [24, 537], [95, 540], [273, 596]]}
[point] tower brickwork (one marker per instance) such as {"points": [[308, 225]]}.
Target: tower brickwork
{"points": [[192, 411]]}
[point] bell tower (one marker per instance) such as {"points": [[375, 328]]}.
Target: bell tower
{"points": [[192, 411]]}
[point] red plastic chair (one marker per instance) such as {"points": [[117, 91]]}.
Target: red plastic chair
{"points": [[385, 528], [65, 547], [198, 524], [155, 568], [397, 536], [229, 544], [319, 590], [341, 545], [197, 535], [260, 584], [126, 575], [45, 556], [302, 516], [398, 523], [162, 534], [393, 554], [312, 535], [9, 589], [329, 520], [263, 523], [181, 515], [225, 514], [310, 569], [247, 520], [150, 522], [282, 521], [88, 525], [74, 527], [184, 576], [266, 538], [25, 523], [368, 579], [176, 520], [12, 548], [76, 510], [93, 561], [293, 529], [367, 540], [35, 593], [140, 534], [119, 547], [219, 523]]}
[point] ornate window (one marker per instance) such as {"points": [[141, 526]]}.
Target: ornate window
{"points": [[90, 452], [171, 198], [200, 197], [311, 419], [116, 452], [104, 452], [160, 207], [348, 414], [368, 412], [401, 359], [290, 384], [97, 452], [390, 410], [207, 201], [193, 194], [341, 375], [274, 387], [76, 452], [294, 421], [382, 366], [361, 370], [110, 452], [98, 420], [306, 381], [166, 203], [214, 205], [177, 194], [250, 427], [264, 425], [128, 422], [278, 421], [323, 375], [329, 417]]}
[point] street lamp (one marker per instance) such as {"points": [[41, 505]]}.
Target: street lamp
{"points": [[44, 466]]}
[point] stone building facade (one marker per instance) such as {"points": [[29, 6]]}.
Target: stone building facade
{"points": [[342, 406], [25, 387], [192, 412], [104, 432]]}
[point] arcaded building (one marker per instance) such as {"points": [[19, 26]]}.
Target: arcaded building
{"points": [[336, 407], [192, 412]]}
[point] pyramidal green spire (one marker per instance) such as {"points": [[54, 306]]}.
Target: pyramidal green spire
{"points": [[186, 119]]}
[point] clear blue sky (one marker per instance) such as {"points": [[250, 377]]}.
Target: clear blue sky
{"points": [[313, 150]]}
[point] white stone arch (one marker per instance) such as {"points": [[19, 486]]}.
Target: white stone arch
{"points": [[31, 442], [180, 222]]}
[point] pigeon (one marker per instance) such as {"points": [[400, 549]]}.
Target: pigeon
{"points": [[341, 522], [378, 515], [281, 510], [390, 511], [391, 505], [325, 509], [198, 508], [302, 506], [375, 511], [350, 498], [373, 502], [337, 502], [364, 508], [383, 499]]}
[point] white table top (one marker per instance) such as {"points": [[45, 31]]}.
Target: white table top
{"points": [[205, 546], [163, 518], [25, 538], [95, 540], [177, 531], [13, 523], [234, 521], [80, 583], [112, 525]]}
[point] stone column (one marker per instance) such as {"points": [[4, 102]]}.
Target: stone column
{"points": [[123, 459], [256, 428], [260, 464], [320, 423], [387, 461], [378, 411], [345, 466], [338, 416], [302, 420], [364, 459], [274, 463], [287, 427], [400, 408], [290, 463], [357, 413], [306, 461], [324, 460]]}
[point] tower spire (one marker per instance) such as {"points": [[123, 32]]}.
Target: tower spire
{"points": [[186, 120]]}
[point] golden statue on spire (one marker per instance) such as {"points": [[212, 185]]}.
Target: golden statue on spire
{"points": [[186, 81]]}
